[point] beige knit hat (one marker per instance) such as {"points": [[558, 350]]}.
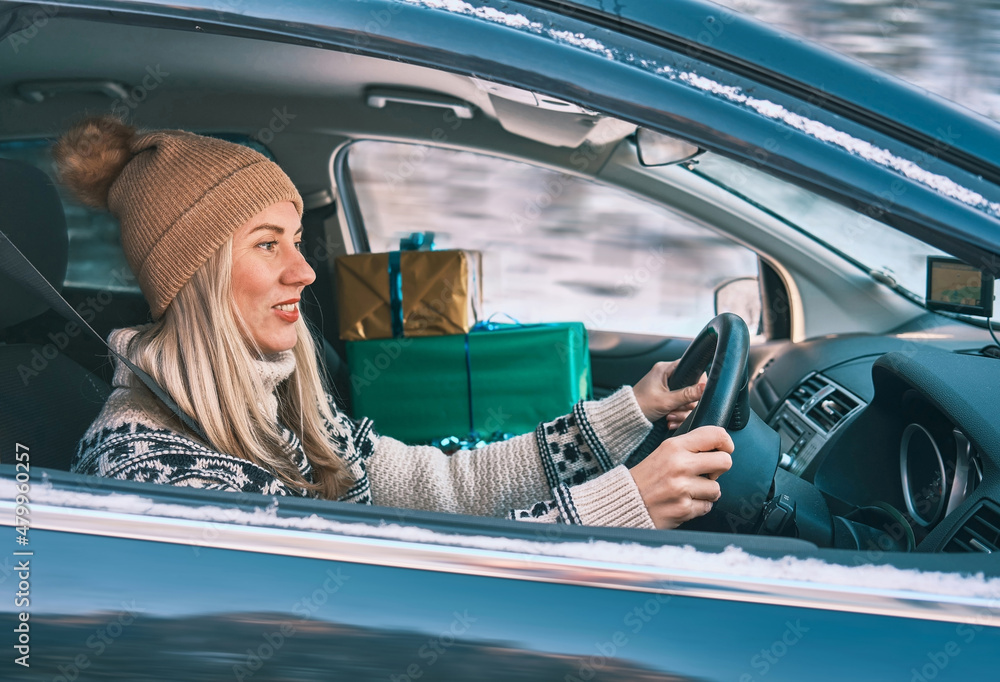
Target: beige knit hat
{"points": [[178, 196]]}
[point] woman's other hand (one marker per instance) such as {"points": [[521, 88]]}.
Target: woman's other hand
{"points": [[677, 481], [656, 400]]}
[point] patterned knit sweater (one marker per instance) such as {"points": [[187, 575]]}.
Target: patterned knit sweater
{"points": [[569, 470]]}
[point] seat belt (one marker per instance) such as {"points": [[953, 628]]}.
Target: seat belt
{"points": [[19, 268]]}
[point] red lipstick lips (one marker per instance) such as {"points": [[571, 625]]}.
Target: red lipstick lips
{"points": [[291, 314]]}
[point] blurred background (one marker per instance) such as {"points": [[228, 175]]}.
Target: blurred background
{"points": [[949, 47]]}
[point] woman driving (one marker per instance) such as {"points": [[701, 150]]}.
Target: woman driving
{"points": [[211, 230]]}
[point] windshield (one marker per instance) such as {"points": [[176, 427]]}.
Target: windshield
{"points": [[871, 245]]}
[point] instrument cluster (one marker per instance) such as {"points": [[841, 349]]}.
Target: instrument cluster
{"points": [[938, 466]]}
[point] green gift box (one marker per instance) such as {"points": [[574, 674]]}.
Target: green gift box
{"points": [[512, 376]]}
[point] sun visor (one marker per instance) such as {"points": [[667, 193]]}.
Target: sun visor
{"points": [[556, 128], [550, 120]]}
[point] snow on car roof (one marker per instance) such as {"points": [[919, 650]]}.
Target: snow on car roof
{"points": [[826, 133], [820, 131]]}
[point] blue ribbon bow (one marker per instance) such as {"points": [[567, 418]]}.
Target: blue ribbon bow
{"points": [[417, 241]]}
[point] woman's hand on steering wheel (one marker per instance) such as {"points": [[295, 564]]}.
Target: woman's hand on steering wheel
{"points": [[656, 400], [677, 481]]}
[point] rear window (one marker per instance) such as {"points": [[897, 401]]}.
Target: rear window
{"points": [[96, 258]]}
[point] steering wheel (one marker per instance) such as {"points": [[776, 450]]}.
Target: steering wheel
{"points": [[723, 349]]}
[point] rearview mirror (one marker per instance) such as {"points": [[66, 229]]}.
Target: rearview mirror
{"points": [[657, 149], [741, 296]]}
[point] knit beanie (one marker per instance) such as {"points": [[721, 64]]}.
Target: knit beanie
{"points": [[178, 196]]}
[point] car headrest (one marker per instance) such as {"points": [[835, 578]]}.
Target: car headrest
{"points": [[31, 215]]}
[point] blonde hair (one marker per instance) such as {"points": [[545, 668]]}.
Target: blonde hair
{"points": [[198, 352]]}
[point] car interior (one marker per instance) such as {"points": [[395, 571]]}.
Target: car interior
{"points": [[876, 410]]}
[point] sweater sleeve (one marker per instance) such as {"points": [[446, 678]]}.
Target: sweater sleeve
{"points": [[135, 451], [567, 470]]}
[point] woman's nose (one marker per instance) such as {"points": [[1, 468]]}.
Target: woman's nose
{"points": [[298, 271]]}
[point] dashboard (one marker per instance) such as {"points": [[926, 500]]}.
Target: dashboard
{"points": [[899, 438]]}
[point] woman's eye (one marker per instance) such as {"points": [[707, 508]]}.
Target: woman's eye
{"points": [[267, 246], [298, 246]]}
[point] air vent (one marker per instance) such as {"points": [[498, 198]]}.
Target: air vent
{"points": [[807, 390], [980, 532], [831, 409]]}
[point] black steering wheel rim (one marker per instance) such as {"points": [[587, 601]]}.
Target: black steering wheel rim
{"points": [[722, 348]]}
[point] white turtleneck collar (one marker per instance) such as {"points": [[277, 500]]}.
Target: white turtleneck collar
{"points": [[272, 369]]}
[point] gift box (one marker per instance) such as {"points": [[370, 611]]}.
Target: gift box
{"points": [[495, 379], [408, 293]]}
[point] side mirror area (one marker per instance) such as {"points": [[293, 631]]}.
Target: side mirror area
{"points": [[740, 295], [657, 149]]}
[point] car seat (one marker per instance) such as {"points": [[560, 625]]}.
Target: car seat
{"points": [[47, 400]]}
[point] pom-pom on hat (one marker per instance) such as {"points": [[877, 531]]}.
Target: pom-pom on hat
{"points": [[178, 196]]}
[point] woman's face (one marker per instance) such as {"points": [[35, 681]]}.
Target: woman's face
{"points": [[269, 274]]}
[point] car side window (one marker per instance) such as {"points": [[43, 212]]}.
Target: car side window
{"points": [[96, 259], [555, 247]]}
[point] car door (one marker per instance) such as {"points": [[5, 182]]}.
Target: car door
{"points": [[139, 581]]}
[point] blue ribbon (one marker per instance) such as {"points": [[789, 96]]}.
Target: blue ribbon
{"points": [[417, 241], [468, 380], [483, 325], [487, 325], [395, 294]]}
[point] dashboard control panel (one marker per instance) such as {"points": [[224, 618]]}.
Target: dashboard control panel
{"points": [[808, 416]]}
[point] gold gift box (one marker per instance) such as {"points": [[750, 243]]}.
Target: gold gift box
{"points": [[442, 293]]}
